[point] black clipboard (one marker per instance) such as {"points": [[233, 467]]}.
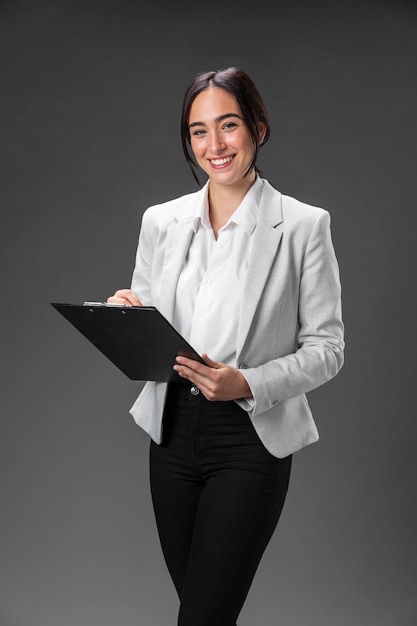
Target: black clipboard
{"points": [[140, 341]]}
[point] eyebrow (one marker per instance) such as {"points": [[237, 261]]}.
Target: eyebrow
{"points": [[217, 119]]}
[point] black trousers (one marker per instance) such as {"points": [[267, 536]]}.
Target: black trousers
{"points": [[217, 495]]}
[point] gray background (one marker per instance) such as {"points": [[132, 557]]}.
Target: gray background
{"points": [[90, 102]]}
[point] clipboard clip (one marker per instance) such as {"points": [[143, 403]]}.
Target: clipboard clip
{"points": [[103, 304]]}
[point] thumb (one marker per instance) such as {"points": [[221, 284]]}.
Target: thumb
{"points": [[210, 362]]}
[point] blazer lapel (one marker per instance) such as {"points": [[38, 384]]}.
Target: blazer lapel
{"points": [[265, 245], [178, 241]]}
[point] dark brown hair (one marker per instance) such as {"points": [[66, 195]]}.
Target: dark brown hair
{"points": [[242, 88]]}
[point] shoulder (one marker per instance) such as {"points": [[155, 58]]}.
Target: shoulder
{"points": [[292, 212], [297, 209], [165, 213]]}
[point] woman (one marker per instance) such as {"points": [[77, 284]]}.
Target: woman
{"points": [[249, 277]]}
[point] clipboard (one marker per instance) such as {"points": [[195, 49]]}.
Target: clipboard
{"points": [[140, 341]]}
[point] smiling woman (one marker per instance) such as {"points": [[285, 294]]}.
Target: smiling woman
{"points": [[246, 102], [222, 146], [250, 278]]}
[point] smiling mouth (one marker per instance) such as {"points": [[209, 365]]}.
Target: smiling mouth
{"points": [[222, 161]]}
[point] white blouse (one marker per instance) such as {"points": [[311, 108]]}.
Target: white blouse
{"points": [[210, 287]]}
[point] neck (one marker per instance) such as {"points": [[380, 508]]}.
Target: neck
{"points": [[224, 200]]}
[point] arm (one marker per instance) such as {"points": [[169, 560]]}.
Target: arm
{"points": [[141, 275], [319, 351]]}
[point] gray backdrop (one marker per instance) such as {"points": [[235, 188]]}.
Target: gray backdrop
{"points": [[90, 102]]}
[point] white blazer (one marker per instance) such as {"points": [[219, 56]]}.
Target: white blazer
{"points": [[290, 330]]}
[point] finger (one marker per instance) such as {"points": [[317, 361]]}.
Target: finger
{"points": [[204, 379], [189, 372], [125, 296], [129, 295], [197, 365], [191, 365]]}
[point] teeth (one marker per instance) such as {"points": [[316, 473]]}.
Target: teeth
{"points": [[221, 161]]}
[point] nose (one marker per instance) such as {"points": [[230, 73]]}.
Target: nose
{"points": [[217, 142]]}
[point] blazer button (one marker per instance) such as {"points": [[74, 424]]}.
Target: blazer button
{"points": [[194, 390]]}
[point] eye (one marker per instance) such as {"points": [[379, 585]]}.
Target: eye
{"points": [[229, 126], [198, 132]]}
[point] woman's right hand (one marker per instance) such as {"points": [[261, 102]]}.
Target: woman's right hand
{"points": [[126, 297]]}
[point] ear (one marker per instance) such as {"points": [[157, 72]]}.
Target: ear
{"points": [[262, 132]]}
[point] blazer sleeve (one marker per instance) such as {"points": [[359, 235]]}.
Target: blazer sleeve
{"points": [[318, 354], [141, 278]]}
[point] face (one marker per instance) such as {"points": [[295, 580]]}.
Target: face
{"points": [[220, 140]]}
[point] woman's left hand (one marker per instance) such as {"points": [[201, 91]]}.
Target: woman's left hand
{"points": [[216, 381]]}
